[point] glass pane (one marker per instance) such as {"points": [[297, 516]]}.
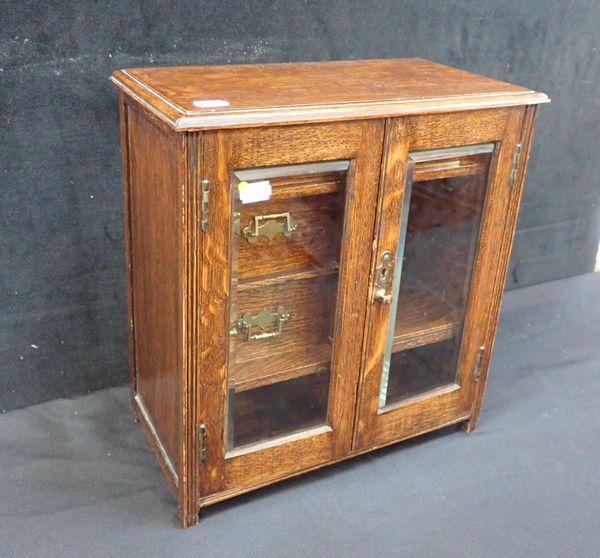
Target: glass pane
{"points": [[443, 206], [288, 225]]}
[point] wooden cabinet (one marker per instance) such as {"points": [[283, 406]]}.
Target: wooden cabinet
{"points": [[316, 255]]}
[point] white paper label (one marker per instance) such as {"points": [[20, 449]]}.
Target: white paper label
{"points": [[211, 103], [251, 192]]}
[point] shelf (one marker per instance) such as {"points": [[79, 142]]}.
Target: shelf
{"points": [[450, 168], [307, 185], [423, 318], [276, 279], [301, 361]]}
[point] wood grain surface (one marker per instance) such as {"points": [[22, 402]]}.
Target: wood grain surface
{"points": [[311, 91], [155, 169], [226, 151], [375, 427]]}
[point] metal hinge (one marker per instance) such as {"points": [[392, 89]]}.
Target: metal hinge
{"points": [[515, 165], [204, 204], [201, 443], [479, 365]]}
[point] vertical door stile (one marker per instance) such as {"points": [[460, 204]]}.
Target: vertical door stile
{"points": [[390, 203], [214, 314], [519, 132]]}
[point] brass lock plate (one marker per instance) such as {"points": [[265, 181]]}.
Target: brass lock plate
{"points": [[383, 278], [383, 272]]}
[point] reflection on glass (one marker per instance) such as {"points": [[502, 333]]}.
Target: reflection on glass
{"points": [[279, 408], [443, 206], [288, 225]]}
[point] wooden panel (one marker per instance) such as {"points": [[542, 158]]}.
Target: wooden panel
{"points": [[237, 490], [215, 318], [302, 451], [190, 266], [486, 264], [312, 91], [458, 128], [390, 202], [294, 144], [155, 171]]}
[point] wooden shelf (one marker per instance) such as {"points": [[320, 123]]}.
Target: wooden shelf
{"points": [[276, 279], [457, 166], [307, 185], [423, 318], [293, 364]]}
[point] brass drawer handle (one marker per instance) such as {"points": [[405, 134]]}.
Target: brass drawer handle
{"points": [[262, 321], [271, 227]]}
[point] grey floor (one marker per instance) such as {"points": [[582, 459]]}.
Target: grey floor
{"points": [[77, 477]]}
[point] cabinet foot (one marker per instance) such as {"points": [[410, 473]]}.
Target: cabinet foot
{"points": [[469, 425], [188, 520]]}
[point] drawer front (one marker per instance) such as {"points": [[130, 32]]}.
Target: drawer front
{"points": [[298, 228], [287, 347]]}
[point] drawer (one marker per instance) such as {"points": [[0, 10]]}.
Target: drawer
{"points": [[298, 228], [299, 345]]}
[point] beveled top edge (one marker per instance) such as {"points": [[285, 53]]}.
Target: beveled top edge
{"points": [[411, 98]]}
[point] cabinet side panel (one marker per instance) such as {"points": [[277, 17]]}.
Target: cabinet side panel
{"points": [[156, 175], [124, 136]]}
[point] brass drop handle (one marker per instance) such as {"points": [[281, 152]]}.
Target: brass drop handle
{"points": [[263, 320], [269, 226], [383, 277]]}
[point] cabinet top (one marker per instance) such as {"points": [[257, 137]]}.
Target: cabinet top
{"points": [[205, 97]]}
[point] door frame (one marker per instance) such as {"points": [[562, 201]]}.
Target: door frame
{"points": [[224, 151], [453, 403]]}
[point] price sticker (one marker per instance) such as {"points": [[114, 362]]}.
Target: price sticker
{"points": [[211, 103], [252, 192]]}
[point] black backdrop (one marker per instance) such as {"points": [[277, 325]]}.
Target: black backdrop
{"points": [[62, 307]]}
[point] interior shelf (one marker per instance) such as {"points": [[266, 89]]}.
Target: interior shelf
{"points": [[307, 185], [276, 279], [290, 364], [449, 168], [423, 318]]}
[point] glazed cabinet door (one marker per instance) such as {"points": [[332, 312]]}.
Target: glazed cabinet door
{"points": [[290, 213], [446, 192]]}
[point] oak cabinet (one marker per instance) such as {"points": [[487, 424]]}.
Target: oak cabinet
{"points": [[316, 254]]}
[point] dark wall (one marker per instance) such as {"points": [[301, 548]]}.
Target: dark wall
{"points": [[62, 308]]}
